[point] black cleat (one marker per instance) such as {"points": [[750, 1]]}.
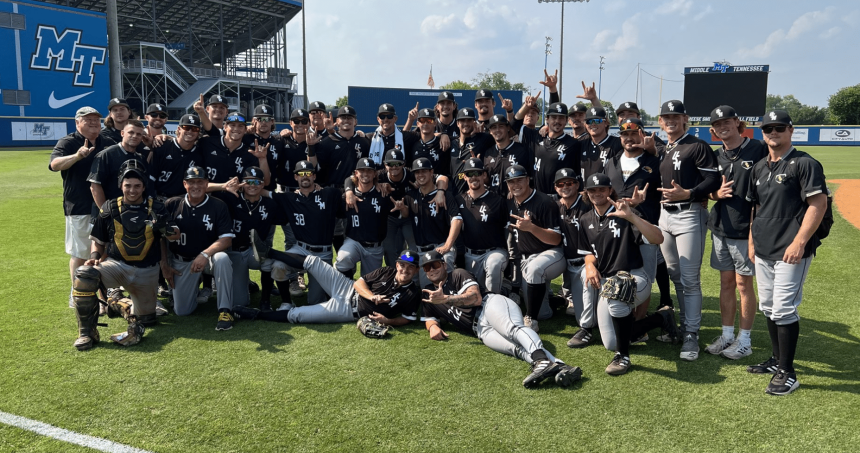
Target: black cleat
{"points": [[225, 320], [668, 314], [541, 370], [769, 366], [580, 339], [782, 383], [568, 375], [244, 312]]}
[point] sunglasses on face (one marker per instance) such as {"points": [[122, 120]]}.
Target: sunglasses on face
{"points": [[305, 173], [265, 119], [159, 115], [473, 174], [386, 116], [394, 164], [301, 121], [561, 184], [190, 128], [253, 182], [630, 127], [769, 129], [595, 121], [430, 266]]}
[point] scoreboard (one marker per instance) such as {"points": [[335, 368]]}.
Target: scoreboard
{"points": [[742, 87]]}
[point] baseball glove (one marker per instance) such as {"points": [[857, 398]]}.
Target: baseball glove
{"points": [[372, 328], [621, 287]]}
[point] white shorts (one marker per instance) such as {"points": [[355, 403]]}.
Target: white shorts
{"points": [[78, 228]]}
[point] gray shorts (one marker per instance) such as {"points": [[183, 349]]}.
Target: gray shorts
{"points": [[729, 254]]}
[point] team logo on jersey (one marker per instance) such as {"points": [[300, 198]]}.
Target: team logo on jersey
{"points": [[394, 300], [358, 150], [206, 222], [375, 204], [263, 214], [671, 106], [647, 169], [561, 152], [676, 161], [747, 164], [719, 113], [780, 178], [319, 202], [483, 212], [433, 210], [616, 232]]}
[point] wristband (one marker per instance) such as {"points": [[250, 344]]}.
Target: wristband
{"points": [[95, 256], [205, 255]]}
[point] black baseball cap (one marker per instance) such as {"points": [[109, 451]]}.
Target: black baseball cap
{"points": [[557, 109], [473, 164], [422, 163], [217, 99], [386, 108], [673, 107], [598, 180], [346, 110], [498, 119], [466, 113], [407, 257], [299, 113], [394, 155], [263, 110], [515, 172], [579, 107], [253, 173], [567, 173], [365, 163], [595, 112], [627, 106], [723, 112], [156, 108], [317, 106], [776, 117], [445, 96], [189, 120], [483, 94], [426, 113], [235, 117], [117, 101], [430, 256], [304, 165], [196, 173], [631, 124]]}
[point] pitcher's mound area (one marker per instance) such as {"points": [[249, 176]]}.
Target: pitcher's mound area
{"points": [[846, 200]]}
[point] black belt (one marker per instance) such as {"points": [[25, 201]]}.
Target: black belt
{"points": [[426, 248], [368, 245], [677, 207], [476, 252], [184, 259], [576, 261], [314, 248]]}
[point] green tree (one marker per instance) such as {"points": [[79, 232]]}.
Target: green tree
{"points": [[845, 105], [458, 85], [488, 80], [800, 112], [610, 111], [341, 101]]}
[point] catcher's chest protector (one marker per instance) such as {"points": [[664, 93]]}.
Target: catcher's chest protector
{"points": [[133, 237]]}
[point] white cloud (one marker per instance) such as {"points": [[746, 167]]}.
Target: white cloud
{"points": [[831, 32], [807, 22], [679, 7], [704, 13], [434, 24]]}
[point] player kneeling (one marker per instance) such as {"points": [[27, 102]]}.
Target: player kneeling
{"points": [[495, 319], [614, 262]]}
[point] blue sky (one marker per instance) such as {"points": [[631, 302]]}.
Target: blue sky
{"points": [[811, 47]]}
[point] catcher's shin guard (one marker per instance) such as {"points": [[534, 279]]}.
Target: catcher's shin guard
{"points": [[132, 336], [118, 306], [85, 288]]}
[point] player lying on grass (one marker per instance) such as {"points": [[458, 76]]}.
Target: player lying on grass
{"points": [[495, 319]]}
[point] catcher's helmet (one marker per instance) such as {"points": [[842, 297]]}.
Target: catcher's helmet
{"points": [[131, 168]]}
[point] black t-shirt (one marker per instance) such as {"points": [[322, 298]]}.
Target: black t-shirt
{"points": [[338, 156], [595, 156], [570, 227], [461, 153], [731, 217], [168, 166], [312, 217], [111, 133], [461, 317], [133, 217], [199, 226], [544, 214], [613, 241], [551, 155], [452, 130], [403, 300], [259, 215], [221, 164], [685, 161], [77, 197], [105, 170], [780, 190], [497, 161], [648, 173], [484, 220], [370, 223], [431, 223], [276, 155], [432, 150]]}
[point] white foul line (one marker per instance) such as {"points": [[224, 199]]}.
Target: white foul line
{"points": [[96, 443]]}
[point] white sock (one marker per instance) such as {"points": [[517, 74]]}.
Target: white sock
{"points": [[744, 336], [729, 332]]}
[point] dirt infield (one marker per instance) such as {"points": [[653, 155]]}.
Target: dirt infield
{"points": [[846, 200]]}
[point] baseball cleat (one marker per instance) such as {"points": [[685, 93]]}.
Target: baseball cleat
{"points": [[164, 291], [719, 345], [160, 309], [242, 312], [286, 306], [541, 370], [87, 342], [253, 287], [769, 366], [619, 365], [672, 335], [203, 295], [225, 320], [580, 339], [737, 350], [570, 310], [568, 375], [531, 323], [265, 306], [782, 383], [690, 348]]}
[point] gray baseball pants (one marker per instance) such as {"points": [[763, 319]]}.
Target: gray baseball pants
{"points": [[683, 247], [351, 253], [780, 288], [339, 308], [501, 327], [185, 290], [488, 268], [609, 308], [543, 268], [316, 293]]}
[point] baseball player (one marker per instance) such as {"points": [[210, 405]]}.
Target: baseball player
{"points": [[790, 198], [485, 219], [485, 104], [170, 160], [118, 115], [435, 227], [226, 157], [207, 233], [339, 152], [505, 154], [397, 179], [321, 121], [729, 222], [571, 206], [688, 173], [73, 156], [553, 152], [456, 298], [388, 136], [156, 116], [430, 146], [388, 295], [576, 113], [612, 232], [107, 163], [534, 222], [263, 125], [469, 144], [126, 251], [446, 123], [214, 115], [651, 143], [576, 121], [366, 223], [602, 146]]}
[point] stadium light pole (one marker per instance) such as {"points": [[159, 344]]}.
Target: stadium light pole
{"points": [[600, 79], [561, 46], [113, 45], [547, 53]]}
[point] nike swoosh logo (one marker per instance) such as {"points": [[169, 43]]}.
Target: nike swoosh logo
{"points": [[60, 103]]}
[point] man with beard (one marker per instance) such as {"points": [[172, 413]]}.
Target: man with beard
{"points": [[485, 104], [505, 154], [445, 121], [469, 144], [601, 146], [651, 143], [156, 116], [553, 152], [455, 297], [118, 115], [428, 145], [388, 136]]}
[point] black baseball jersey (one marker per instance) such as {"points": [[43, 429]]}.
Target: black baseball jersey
{"points": [[594, 156], [293, 152], [403, 300], [105, 170], [431, 223], [731, 217], [370, 223], [544, 213], [398, 188], [613, 241], [111, 133], [222, 164], [551, 155], [570, 226], [167, 169], [452, 130], [312, 217], [77, 198], [259, 215], [780, 189], [484, 220], [199, 226], [686, 162], [461, 317], [497, 161], [390, 141], [647, 172], [432, 150], [323, 133], [337, 157], [131, 217], [276, 154], [461, 153]]}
